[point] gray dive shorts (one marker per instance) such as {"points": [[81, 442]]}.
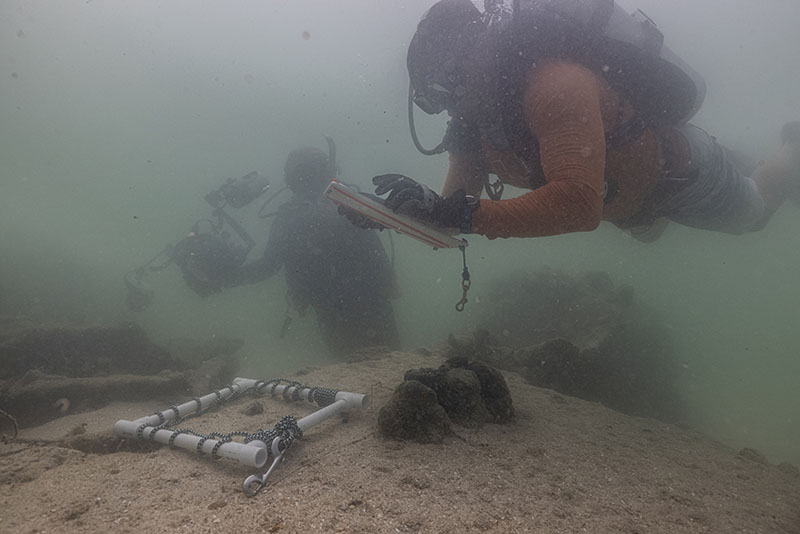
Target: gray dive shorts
{"points": [[717, 196]]}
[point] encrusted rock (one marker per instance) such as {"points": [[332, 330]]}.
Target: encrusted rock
{"points": [[414, 414], [494, 392], [554, 364], [583, 336], [460, 396], [79, 351], [427, 375], [471, 392]]}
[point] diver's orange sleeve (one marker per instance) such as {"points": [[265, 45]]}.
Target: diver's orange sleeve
{"points": [[562, 107]]}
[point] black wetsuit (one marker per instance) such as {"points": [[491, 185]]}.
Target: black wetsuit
{"points": [[338, 269]]}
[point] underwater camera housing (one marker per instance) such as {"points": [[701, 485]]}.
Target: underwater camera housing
{"points": [[207, 260], [210, 255], [239, 192]]}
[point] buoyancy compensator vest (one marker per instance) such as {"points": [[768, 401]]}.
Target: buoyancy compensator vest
{"points": [[627, 49]]}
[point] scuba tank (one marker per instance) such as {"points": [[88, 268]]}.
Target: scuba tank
{"points": [[628, 49]]}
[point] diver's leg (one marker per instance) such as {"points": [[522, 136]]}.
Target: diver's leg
{"points": [[388, 332], [778, 177], [716, 195], [332, 332], [367, 324]]}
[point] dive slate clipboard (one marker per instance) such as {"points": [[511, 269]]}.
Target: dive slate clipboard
{"points": [[351, 199]]}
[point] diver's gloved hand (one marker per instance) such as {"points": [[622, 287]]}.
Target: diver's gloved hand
{"points": [[411, 198], [360, 220]]}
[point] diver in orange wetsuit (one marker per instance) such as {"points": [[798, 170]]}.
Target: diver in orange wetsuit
{"points": [[592, 144]]}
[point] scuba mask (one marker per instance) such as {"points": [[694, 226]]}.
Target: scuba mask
{"points": [[309, 170], [440, 90], [436, 64], [446, 64], [437, 53]]}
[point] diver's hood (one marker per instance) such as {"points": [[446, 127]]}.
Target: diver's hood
{"points": [[308, 170], [438, 50]]}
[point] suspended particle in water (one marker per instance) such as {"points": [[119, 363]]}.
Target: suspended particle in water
{"points": [[306, 35]]}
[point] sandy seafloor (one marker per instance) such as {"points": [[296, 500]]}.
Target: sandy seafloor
{"points": [[564, 465]]}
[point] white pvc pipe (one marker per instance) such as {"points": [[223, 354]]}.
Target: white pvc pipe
{"points": [[320, 415], [190, 407], [253, 454], [352, 400]]}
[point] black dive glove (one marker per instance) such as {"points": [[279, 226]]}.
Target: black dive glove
{"points": [[416, 200], [360, 220]]}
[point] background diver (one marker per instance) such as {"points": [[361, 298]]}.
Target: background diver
{"points": [[340, 271]]}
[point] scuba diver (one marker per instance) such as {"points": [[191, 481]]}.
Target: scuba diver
{"points": [[583, 105], [342, 272]]}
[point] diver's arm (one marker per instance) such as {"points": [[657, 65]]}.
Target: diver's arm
{"points": [[562, 109], [465, 172], [270, 262], [256, 271]]}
